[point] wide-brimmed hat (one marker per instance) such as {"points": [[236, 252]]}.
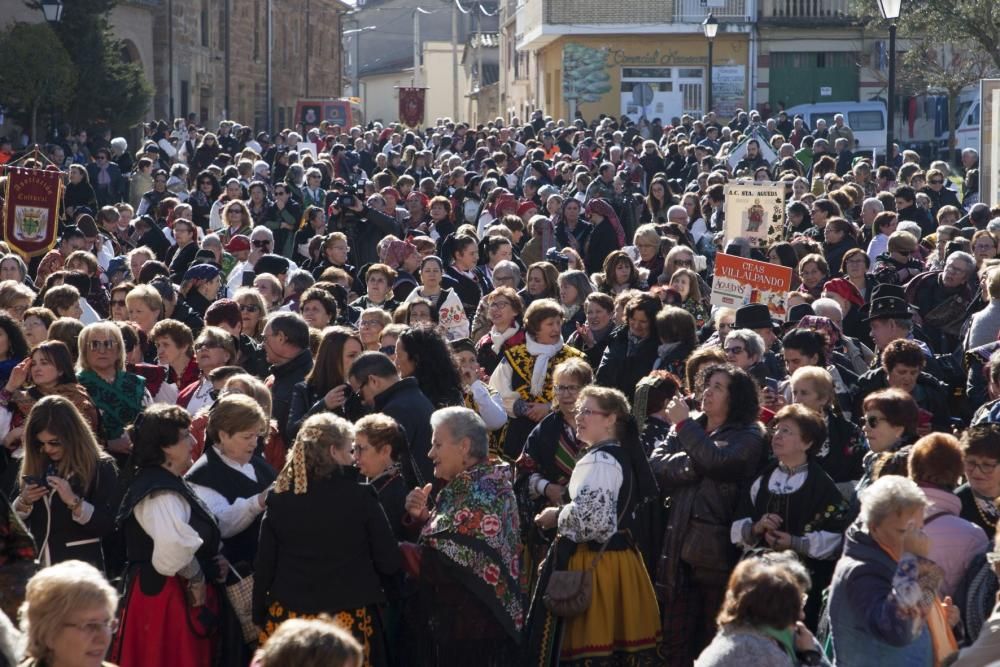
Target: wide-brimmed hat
{"points": [[888, 301], [755, 316]]}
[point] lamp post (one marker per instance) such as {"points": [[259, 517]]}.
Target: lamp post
{"points": [[52, 9], [890, 12], [711, 26]]}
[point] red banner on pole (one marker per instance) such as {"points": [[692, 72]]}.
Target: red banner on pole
{"points": [[411, 106], [31, 210]]}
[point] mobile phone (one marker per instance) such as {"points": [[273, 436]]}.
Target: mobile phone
{"points": [[248, 278], [37, 481]]}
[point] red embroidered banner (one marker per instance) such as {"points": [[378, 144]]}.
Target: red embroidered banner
{"points": [[31, 210], [411, 106]]}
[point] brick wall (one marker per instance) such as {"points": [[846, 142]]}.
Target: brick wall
{"points": [[601, 11]]}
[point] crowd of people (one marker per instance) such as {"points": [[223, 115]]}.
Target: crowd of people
{"points": [[459, 396]]}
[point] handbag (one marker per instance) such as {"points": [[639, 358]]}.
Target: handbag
{"points": [[948, 316], [568, 592], [240, 596]]}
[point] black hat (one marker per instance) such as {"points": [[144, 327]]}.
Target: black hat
{"points": [[273, 264], [888, 301], [754, 316], [799, 311]]}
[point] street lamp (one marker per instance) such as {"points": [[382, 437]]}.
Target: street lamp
{"points": [[890, 12], [52, 9], [711, 26]]}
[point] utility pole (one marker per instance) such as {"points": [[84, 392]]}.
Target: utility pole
{"points": [[416, 48], [226, 60], [479, 62], [270, 49], [308, 48], [454, 60]]}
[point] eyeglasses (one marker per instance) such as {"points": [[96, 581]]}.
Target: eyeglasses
{"points": [[936, 182], [872, 420], [586, 412], [96, 627], [388, 350], [261, 243], [370, 323], [685, 263], [98, 345], [116, 302], [358, 449], [249, 308], [733, 351], [985, 468], [499, 304], [566, 388], [206, 345]]}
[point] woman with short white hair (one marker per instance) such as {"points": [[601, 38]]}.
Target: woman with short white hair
{"points": [[69, 616], [877, 613]]}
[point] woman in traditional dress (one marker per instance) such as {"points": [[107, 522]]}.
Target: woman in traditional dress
{"points": [[468, 608], [171, 609], [504, 308], [301, 572], [609, 483], [794, 505], [444, 300], [524, 377]]}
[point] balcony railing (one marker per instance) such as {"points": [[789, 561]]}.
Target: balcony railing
{"points": [[695, 11], [805, 11]]}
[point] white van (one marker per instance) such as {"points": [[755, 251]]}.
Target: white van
{"points": [[866, 119], [966, 122]]}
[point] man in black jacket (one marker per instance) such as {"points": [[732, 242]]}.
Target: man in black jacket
{"points": [[375, 378], [286, 344], [364, 228]]}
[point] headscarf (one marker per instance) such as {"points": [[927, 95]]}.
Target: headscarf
{"points": [[504, 201], [603, 209], [201, 272], [823, 325], [846, 290], [543, 228], [397, 252]]}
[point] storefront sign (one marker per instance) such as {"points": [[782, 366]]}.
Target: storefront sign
{"points": [[989, 148], [739, 282], [729, 90], [31, 210], [756, 212], [654, 58]]}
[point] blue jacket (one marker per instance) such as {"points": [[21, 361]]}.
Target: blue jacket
{"points": [[866, 629]]}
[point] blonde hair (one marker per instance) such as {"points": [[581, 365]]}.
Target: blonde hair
{"points": [[310, 456], [250, 294], [820, 378], [53, 594], [148, 295], [251, 387], [108, 328], [315, 642]]}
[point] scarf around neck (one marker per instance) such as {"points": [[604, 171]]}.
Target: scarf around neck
{"points": [[542, 354], [498, 338]]}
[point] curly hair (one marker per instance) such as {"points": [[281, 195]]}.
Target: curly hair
{"points": [[435, 368]]}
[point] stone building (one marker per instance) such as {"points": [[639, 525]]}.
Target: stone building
{"points": [[212, 58]]}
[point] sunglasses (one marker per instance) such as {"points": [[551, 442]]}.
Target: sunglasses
{"points": [[261, 244], [936, 182], [872, 420], [735, 350], [98, 345], [118, 303], [249, 308], [388, 350]]}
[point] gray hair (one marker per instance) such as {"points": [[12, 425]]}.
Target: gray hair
{"points": [[578, 280], [970, 262], [464, 423], [993, 226], [873, 203], [891, 494], [911, 227], [751, 340], [211, 240], [261, 230], [507, 265], [676, 208], [828, 308], [300, 280]]}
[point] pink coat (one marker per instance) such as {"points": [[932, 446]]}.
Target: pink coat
{"points": [[954, 541]]}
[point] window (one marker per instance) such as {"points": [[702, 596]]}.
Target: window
{"points": [[204, 23], [860, 121]]}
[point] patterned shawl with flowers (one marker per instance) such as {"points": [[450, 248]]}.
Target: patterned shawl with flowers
{"points": [[475, 527]]}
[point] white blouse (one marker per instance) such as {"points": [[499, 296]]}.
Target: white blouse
{"points": [[592, 514], [164, 516], [821, 545], [233, 517]]}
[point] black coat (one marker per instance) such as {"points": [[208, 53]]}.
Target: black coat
{"points": [[307, 402], [603, 241], [931, 394], [51, 523], [335, 569], [410, 407], [286, 376], [619, 369]]}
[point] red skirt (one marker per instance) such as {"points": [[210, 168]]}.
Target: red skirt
{"points": [[162, 630]]}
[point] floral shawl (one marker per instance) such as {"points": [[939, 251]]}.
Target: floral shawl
{"points": [[118, 403], [475, 528]]}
